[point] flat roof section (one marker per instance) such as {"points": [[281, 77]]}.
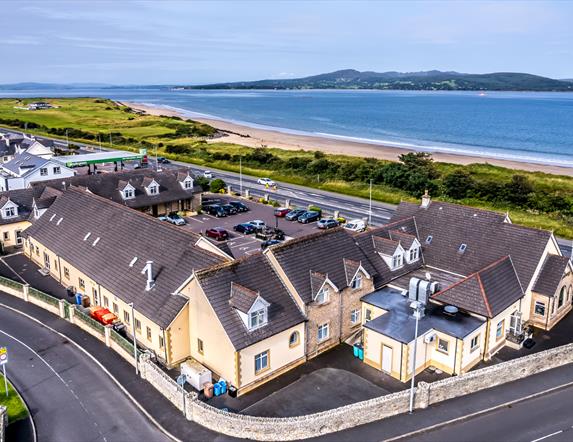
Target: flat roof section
{"points": [[98, 158]]}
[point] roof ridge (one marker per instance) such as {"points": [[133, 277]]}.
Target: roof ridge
{"points": [[311, 237], [484, 296], [386, 226]]}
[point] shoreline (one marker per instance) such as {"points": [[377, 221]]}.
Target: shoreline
{"points": [[263, 137]]}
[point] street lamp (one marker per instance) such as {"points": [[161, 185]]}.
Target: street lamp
{"points": [[134, 337], [418, 308], [370, 205]]}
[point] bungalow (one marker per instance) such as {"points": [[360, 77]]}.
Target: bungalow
{"points": [[25, 169]]}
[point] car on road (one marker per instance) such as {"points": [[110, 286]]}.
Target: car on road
{"points": [[208, 174], [217, 233], [258, 224], [355, 225], [229, 209], [162, 160], [266, 182], [215, 210], [281, 212], [270, 242], [239, 206], [294, 214], [245, 228], [309, 217], [173, 218], [327, 224]]}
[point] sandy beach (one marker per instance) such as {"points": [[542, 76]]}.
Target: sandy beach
{"points": [[254, 137]]}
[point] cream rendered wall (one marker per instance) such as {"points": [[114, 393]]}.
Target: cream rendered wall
{"points": [[375, 312], [178, 342], [373, 343], [11, 229], [469, 356], [494, 344], [550, 248], [280, 355]]}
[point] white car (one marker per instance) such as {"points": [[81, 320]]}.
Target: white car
{"points": [[266, 181], [208, 174], [355, 225], [257, 224]]}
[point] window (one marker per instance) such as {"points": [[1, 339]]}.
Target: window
{"points": [[161, 342], [540, 308], [429, 239], [44, 171], [37, 251], [200, 346], [81, 283], [499, 329], [19, 238], [153, 190], [261, 362], [414, 254], [355, 316], [138, 325], [474, 343], [323, 332], [322, 295], [357, 282], [443, 345], [66, 273], [294, 339], [397, 261], [105, 302], [569, 292], [126, 317], [561, 297], [148, 329], [9, 212], [257, 318], [187, 184], [368, 316], [95, 295], [57, 170], [115, 308], [6, 236], [462, 248]]}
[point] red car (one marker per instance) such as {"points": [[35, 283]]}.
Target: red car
{"points": [[217, 233], [281, 212]]}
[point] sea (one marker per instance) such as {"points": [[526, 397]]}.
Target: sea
{"points": [[522, 126]]}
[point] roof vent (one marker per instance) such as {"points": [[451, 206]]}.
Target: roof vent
{"points": [[132, 262], [52, 217], [450, 310], [148, 269], [96, 241], [59, 221], [87, 236], [462, 248]]}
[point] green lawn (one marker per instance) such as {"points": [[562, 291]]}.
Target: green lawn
{"points": [[16, 408]]}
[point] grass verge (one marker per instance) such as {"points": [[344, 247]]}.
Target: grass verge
{"points": [[16, 408]]}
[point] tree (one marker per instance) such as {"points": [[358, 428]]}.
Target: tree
{"points": [[203, 182], [217, 185], [517, 190], [458, 184]]}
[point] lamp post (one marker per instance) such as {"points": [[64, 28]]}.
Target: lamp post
{"points": [[241, 175], [134, 337], [370, 205], [418, 309]]}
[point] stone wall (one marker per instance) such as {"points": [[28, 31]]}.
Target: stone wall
{"points": [[3, 422]]}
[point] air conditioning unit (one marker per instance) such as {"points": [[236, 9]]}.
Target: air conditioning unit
{"points": [[429, 338]]}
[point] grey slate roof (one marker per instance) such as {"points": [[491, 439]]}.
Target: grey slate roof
{"points": [[551, 274], [242, 298], [487, 292], [406, 239], [255, 273], [487, 236], [385, 246], [24, 198], [124, 234], [108, 185], [324, 253], [26, 161]]}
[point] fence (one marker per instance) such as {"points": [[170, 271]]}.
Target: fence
{"points": [[34, 293], [12, 287], [92, 323]]}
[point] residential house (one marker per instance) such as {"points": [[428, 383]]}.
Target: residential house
{"points": [[25, 169], [13, 143]]}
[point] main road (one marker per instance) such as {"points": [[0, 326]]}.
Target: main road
{"points": [[70, 398]]}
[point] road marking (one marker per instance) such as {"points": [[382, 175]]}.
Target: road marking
{"points": [[549, 435], [192, 218]]}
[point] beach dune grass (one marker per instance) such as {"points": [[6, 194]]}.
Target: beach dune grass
{"points": [[16, 408]]}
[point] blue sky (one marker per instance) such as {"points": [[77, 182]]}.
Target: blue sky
{"points": [[153, 42]]}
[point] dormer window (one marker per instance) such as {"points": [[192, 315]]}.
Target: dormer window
{"points": [[188, 183], [322, 295], [153, 189], [397, 261], [257, 318], [414, 254], [357, 282], [128, 194], [10, 212]]}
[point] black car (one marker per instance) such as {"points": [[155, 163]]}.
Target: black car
{"points": [[270, 242], [239, 206], [294, 214], [245, 228], [308, 217], [162, 160], [215, 210], [229, 209]]}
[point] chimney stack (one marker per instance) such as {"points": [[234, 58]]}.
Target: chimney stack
{"points": [[426, 200]]}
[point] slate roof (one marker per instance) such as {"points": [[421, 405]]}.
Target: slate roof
{"points": [[551, 273], [322, 252], [24, 198], [124, 235], [108, 185], [487, 236], [255, 273], [242, 298], [26, 161], [385, 246], [487, 292], [406, 239]]}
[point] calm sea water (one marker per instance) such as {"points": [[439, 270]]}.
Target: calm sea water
{"points": [[535, 127]]}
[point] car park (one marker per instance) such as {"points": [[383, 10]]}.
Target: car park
{"points": [[270, 242], [308, 217], [281, 212], [355, 225], [208, 174], [229, 209], [327, 224], [266, 182], [173, 218], [258, 224], [241, 207], [217, 233], [215, 210], [245, 228], [294, 214]]}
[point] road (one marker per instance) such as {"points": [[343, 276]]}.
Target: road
{"points": [[70, 398], [546, 418]]}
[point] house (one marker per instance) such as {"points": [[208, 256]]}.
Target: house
{"points": [[26, 168], [117, 257], [16, 212], [483, 281], [13, 143], [38, 105], [327, 274]]}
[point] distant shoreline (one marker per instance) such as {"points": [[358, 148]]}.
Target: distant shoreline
{"points": [[290, 140]]}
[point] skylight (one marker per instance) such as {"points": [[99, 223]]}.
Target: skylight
{"points": [[462, 248], [429, 239]]}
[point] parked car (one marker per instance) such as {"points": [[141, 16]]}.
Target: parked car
{"points": [[217, 233], [239, 206], [270, 242], [327, 224], [162, 160], [208, 174], [173, 218], [355, 225], [258, 224], [308, 217], [294, 214], [229, 209], [266, 181], [245, 228], [215, 210], [281, 212]]}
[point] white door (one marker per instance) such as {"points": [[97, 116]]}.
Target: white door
{"points": [[386, 358]]}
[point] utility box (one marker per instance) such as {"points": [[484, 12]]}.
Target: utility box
{"points": [[197, 375]]}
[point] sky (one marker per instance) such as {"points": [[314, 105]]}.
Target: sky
{"points": [[197, 42]]}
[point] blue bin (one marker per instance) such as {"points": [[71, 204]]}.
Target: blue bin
{"points": [[361, 354], [355, 350], [217, 389], [223, 385], [79, 298]]}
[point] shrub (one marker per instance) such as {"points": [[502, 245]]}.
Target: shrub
{"points": [[217, 185]]}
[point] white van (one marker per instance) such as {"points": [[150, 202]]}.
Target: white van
{"points": [[355, 225]]}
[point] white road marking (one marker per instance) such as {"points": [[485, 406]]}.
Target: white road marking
{"points": [[192, 218], [549, 435]]}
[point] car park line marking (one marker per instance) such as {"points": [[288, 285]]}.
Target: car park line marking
{"points": [[547, 436], [192, 218]]}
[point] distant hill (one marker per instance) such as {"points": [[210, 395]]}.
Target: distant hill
{"points": [[43, 86], [427, 80]]}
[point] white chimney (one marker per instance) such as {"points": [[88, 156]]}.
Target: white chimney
{"points": [[149, 270], [425, 200]]}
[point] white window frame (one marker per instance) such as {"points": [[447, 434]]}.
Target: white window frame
{"points": [[262, 360], [355, 316], [10, 212], [368, 315], [153, 189], [542, 306], [474, 343], [499, 329], [187, 184], [57, 170], [356, 282], [43, 171], [323, 332], [323, 295], [440, 347], [397, 261], [257, 318], [414, 254]]}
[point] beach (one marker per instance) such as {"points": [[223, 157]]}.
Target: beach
{"points": [[256, 137]]}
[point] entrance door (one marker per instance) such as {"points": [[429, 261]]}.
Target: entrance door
{"points": [[19, 238], [386, 358], [46, 261]]}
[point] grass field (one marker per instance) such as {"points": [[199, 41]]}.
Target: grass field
{"points": [[16, 408], [185, 141]]}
